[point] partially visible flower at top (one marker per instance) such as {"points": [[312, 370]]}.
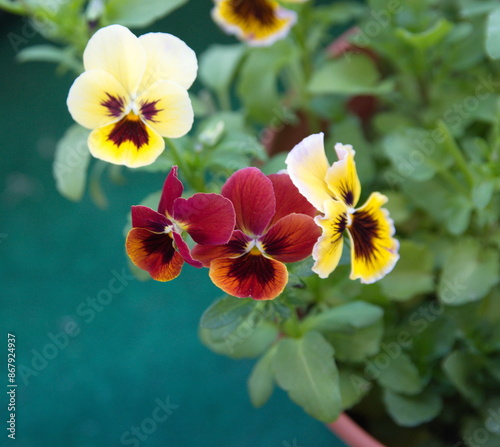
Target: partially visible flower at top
{"points": [[274, 225], [335, 191], [258, 22], [155, 242], [132, 93]]}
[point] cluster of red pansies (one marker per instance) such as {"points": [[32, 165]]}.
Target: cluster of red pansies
{"points": [[244, 236]]}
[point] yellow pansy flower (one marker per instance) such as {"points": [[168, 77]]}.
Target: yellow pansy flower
{"points": [[258, 22], [133, 93], [334, 191]]}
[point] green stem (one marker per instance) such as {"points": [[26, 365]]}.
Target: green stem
{"points": [[196, 182], [455, 151]]}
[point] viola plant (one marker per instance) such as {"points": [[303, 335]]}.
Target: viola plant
{"points": [[133, 92], [384, 305], [274, 225], [259, 22], [335, 191], [155, 242]]}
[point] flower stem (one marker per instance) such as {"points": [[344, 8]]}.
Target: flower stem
{"points": [[455, 151]]}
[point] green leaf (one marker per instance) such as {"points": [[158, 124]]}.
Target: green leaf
{"points": [[410, 411], [218, 65], [441, 202], [353, 75], [436, 340], [275, 164], [426, 39], [357, 346], [50, 53], [344, 318], [237, 327], [482, 193], [246, 339], [72, 158], [416, 153], [412, 275], [399, 374], [305, 368], [138, 13], [461, 369], [493, 34], [353, 387], [258, 85], [261, 380], [226, 311], [338, 13], [469, 273]]}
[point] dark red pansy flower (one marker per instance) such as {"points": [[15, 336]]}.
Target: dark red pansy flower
{"points": [[155, 242], [274, 225]]}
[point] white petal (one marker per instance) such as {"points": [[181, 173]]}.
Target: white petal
{"points": [[307, 166], [118, 51], [168, 58]]}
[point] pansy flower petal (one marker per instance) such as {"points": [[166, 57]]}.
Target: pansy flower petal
{"points": [[96, 98], [235, 247], [249, 276], [288, 198], [144, 217], [168, 58], [154, 253], [208, 218], [291, 239], [342, 178], [165, 106], [374, 251], [252, 194], [328, 249], [117, 50], [259, 22], [307, 166], [183, 248], [127, 142], [172, 190]]}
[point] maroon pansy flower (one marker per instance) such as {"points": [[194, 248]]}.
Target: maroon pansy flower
{"points": [[274, 225], [155, 242]]}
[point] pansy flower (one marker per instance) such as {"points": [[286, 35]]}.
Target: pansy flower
{"points": [[274, 225], [155, 242], [258, 22], [133, 93], [334, 191]]}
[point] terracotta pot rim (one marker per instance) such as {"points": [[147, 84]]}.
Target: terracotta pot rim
{"points": [[352, 434]]}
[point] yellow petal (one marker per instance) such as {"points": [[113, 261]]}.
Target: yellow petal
{"points": [[307, 166], [96, 98], [168, 58], [116, 50], [166, 107], [259, 22], [328, 249], [342, 178], [374, 251], [127, 142]]}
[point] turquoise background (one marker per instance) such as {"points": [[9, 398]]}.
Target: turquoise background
{"points": [[143, 345]]}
